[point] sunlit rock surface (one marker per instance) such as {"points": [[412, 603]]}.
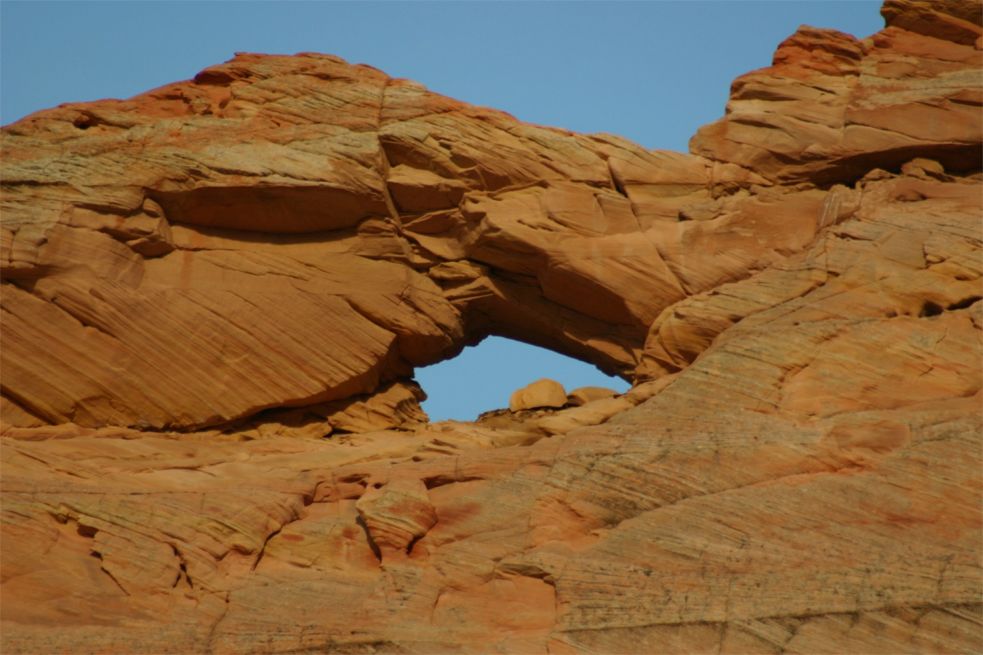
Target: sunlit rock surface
{"points": [[215, 294]]}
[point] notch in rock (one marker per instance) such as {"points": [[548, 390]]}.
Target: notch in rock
{"points": [[396, 516]]}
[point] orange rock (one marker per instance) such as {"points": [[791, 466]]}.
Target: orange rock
{"points": [[592, 413], [830, 105], [541, 393], [584, 395], [396, 515], [215, 294]]}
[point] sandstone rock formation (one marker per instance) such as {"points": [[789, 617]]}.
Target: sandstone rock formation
{"points": [[215, 294], [584, 395], [541, 393]]}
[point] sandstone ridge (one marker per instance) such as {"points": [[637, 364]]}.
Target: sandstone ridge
{"points": [[215, 295]]}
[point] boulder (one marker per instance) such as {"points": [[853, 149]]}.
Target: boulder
{"points": [[539, 394]]}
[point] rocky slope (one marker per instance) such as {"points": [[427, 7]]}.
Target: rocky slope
{"points": [[215, 294]]}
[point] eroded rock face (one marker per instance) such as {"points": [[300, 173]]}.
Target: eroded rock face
{"points": [[215, 294], [396, 515]]}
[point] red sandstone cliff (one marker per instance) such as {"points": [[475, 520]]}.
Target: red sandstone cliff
{"points": [[215, 293]]}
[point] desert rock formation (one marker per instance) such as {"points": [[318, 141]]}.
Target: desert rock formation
{"points": [[215, 295]]}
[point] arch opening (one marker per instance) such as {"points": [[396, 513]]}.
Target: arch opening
{"points": [[482, 377]]}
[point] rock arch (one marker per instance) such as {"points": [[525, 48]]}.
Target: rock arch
{"points": [[290, 231]]}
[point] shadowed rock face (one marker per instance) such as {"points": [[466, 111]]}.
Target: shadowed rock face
{"points": [[214, 296]]}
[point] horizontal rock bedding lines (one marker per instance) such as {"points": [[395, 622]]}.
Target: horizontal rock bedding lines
{"points": [[365, 226], [214, 296]]}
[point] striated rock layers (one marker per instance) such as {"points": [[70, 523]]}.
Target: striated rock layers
{"points": [[215, 294]]}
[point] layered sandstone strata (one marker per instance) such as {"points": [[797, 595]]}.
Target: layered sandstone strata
{"points": [[215, 294]]}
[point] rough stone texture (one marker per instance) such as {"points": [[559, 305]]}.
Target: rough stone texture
{"points": [[584, 395], [395, 516], [214, 295], [541, 393]]}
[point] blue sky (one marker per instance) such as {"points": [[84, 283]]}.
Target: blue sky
{"points": [[649, 71]]}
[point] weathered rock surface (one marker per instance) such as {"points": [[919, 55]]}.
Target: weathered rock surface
{"points": [[584, 395], [396, 515], [541, 393], [214, 296]]}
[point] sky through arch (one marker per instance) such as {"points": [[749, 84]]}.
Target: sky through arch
{"points": [[483, 377]]}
